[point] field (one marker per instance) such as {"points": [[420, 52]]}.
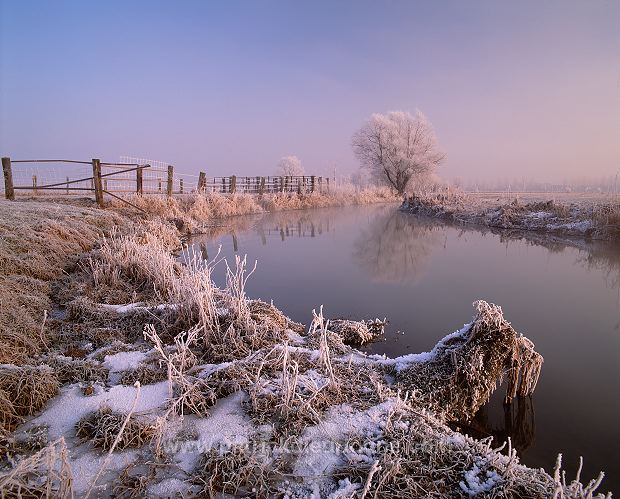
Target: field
{"points": [[582, 199]]}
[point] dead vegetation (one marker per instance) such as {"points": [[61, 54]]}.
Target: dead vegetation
{"points": [[357, 332], [237, 472], [44, 474], [78, 370], [466, 367], [416, 456], [599, 220], [37, 241], [103, 427], [27, 388]]}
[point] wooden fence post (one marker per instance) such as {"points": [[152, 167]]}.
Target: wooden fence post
{"points": [[34, 185], [312, 181], [233, 184], [202, 182], [262, 186], [9, 191], [170, 179], [67, 185], [139, 181], [181, 186], [223, 185], [327, 184], [97, 182]]}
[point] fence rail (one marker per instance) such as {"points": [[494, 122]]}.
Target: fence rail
{"points": [[112, 179]]}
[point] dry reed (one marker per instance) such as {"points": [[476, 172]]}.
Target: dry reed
{"points": [[28, 388], [44, 474]]}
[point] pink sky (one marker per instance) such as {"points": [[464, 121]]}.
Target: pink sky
{"points": [[513, 88]]}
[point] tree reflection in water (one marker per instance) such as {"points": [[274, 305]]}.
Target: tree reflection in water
{"points": [[396, 247]]}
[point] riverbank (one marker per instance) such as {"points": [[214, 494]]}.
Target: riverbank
{"points": [[190, 212], [599, 220], [234, 397]]}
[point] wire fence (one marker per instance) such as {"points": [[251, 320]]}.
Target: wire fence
{"points": [[140, 176]]}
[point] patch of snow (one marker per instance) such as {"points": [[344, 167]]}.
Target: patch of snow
{"points": [[127, 308], [227, 426], [170, 487], [85, 464], [493, 214], [123, 361], [165, 306], [325, 446], [121, 309], [207, 370], [64, 411], [294, 337]]}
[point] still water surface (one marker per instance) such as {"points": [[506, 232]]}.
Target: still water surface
{"points": [[424, 275]]}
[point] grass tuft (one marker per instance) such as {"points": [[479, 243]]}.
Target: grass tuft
{"points": [[102, 427]]}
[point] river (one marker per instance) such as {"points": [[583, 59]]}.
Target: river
{"points": [[423, 275]]}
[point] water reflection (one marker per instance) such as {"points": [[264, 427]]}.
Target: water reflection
{"points": [[392, 246], [396, 247], [518, 424], [269, 228], [592, 255]]}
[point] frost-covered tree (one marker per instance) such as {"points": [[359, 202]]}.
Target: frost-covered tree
{"points": [[289, 166], [397, 147]]}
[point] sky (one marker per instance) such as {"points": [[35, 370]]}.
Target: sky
{"points": [[514, 89]]}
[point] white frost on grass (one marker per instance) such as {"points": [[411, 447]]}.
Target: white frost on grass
{"points": [[62, 414], [405, 361], [345, 490], [127, 308], [477, 481], [539, 214], [581, 226]]}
